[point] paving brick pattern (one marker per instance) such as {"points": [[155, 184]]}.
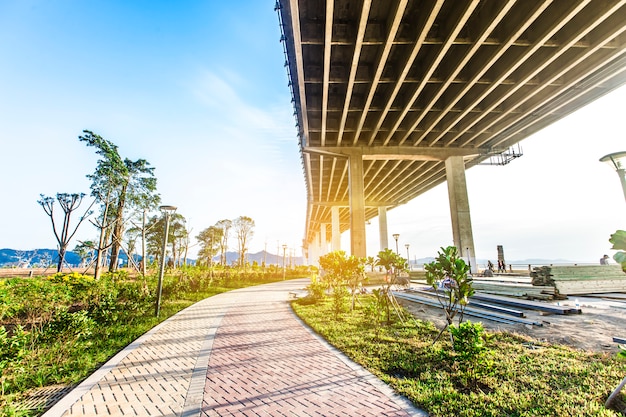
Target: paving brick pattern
{"points": [[265, 363], [152, 376], [242, 353]]}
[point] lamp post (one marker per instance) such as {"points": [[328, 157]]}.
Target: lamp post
{"points": [[396, 236], [284, 253], [167, 212], [617, 160], [406, 245]]}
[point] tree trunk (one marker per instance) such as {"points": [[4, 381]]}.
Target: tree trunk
{"points": [[62, 250], [143, 245], [118, 230], [101, 248]]}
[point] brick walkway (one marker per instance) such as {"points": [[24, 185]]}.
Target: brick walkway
{"points": [[242, 353]]}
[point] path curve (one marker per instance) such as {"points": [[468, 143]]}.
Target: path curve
{"points": [[240, 353]]}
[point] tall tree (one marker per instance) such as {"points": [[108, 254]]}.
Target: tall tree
{"points": [[155, 231], [179, 237], [69, 203], [243, 226], [209, 240], [119, 184], [225, 225]]}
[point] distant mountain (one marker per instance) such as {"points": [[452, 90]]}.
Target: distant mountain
{"points": [[44, 257], [38, 257], [261, 257]]}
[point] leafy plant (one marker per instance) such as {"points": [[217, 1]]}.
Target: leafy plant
{"points": [[468, 339], [341, 271], [618, 239], [393, 264], [448, 275], [316, 289]]}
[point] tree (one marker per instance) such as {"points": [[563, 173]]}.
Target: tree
{"points": [[341, 271], [243, 226], [86, 251], [371, 261], [178, 236], [69, 203], [393, 264], [209, 240], [225, 225], [448, 275], [118, 184], [155, 235]]}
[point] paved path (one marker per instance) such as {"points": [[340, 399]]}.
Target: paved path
{"points": [[241, 353]]}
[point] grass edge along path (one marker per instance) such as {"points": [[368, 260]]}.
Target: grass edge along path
{"points": [[513, 376]]}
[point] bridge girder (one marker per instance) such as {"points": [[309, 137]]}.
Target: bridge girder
{"points": [[407, 83]]}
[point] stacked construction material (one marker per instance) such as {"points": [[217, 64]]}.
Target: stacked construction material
{"points": [[511, 285], [576, 280]]}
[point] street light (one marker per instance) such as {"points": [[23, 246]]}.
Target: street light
{"points": [[284, 252], [396, 236], [167, 212], [406, 245], [617, 160]]}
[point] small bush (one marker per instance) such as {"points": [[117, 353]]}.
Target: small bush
{"points": [[468, 339], [316, 289], [76, 325]]}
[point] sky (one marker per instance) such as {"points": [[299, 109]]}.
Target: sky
{"points": [[199, 90]]}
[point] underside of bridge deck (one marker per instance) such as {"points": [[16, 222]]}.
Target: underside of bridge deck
{"points": [[406, 84]]}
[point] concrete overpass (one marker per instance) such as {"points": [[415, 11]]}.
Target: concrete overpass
{"points": [[394, 97]]}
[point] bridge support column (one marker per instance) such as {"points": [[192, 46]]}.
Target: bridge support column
{"points": [[323, 240], [314, 250], [459, 210], [382, 228], [357, 207], [336, 231]]}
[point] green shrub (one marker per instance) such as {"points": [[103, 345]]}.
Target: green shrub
{"points": [[316, 289], [12, 346], [340, 300], [76, 325], [468, 339]]}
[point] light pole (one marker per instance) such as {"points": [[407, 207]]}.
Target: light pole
{"points": [[406, 245], [284, 253], [617, 160], [167, 212], [396, 236]]}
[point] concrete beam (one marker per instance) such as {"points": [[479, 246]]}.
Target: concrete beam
{"points": [[403, 153]]}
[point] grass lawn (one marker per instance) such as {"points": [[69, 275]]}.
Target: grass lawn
{"points": [[512, 376]]}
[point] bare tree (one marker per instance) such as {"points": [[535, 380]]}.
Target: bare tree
{"points": [[69, 203], [24, 258]]}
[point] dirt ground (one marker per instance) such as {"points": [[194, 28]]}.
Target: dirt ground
{"points": [[593, 330]]}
